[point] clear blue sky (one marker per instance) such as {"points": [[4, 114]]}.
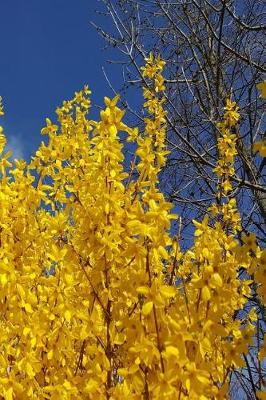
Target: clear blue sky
{"points": [[48, 51]]}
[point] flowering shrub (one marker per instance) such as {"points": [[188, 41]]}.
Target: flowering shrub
{"points": [[97, 299]]}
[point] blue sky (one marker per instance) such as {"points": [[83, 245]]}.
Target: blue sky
{"points": [[48, 51]]}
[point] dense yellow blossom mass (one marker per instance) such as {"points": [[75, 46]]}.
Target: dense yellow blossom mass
{"points": [[97, 300]]}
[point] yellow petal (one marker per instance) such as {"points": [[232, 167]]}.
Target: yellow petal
{"points": [[206, 294], [26, 331], [28, 308], [143, 290], [146, 309], [216, 280], [67, 315], [171, 351], [202, 378], [112, 130], [168, 291]]}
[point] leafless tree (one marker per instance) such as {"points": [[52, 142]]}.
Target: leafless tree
{"points": [[214, 49]]}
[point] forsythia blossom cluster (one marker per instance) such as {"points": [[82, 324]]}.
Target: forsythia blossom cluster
{"points": [[97, 300], [225, 170]]}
